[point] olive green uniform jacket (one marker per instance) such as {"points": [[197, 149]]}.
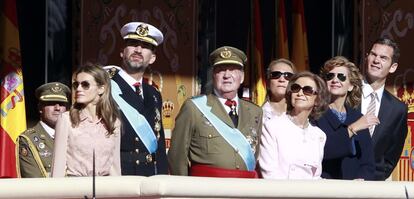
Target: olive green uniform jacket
{"points": [[195, 141], [35, 147]]}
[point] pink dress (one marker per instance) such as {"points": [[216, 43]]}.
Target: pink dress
{"points": [[74, 147]]}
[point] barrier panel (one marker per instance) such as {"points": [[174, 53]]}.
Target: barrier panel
{"points": [[164, 186]]}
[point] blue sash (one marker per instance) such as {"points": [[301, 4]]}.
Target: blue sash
{"points": [[137, 121], [232, 135]]}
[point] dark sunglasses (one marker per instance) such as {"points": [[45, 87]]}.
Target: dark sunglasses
{"points": [[307, 90], [278, 74], [340, 76], [84, 84]]}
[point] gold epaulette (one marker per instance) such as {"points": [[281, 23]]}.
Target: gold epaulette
{"points": [[112, 72]]}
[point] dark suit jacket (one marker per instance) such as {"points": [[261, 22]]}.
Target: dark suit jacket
{"points": [[133, 151], [338, 161], [389, 136]]}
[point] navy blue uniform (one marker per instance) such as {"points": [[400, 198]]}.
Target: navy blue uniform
{"points": [[135, 158]]}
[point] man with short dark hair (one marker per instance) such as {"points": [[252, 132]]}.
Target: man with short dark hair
{"points": [[143, 140], [36, 144], [389, 135]]}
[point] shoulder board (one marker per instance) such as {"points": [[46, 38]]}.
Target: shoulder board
{"points": [[151, 83], [29, 131], [112, 70]]}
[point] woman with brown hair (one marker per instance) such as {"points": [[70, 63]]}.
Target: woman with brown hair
{"points": [[291, 146], [348, 149], [90, 127]]}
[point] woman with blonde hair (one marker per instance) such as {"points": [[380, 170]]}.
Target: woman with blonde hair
{"points": [[90, 128], [278, 75], [348, 149], [291, 146]]}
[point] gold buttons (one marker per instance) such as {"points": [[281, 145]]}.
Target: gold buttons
{"points": [[137, 139], [136, 150], [210, 136], [237, 167], [137, 162]]}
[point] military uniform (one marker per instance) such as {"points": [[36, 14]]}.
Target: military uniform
{"points": [[135, 158], [197, 143], [35, 145]]}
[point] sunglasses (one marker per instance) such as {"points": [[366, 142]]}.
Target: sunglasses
{"points": [[84, 84], [307, 90], [340, 76], [278, 74]]}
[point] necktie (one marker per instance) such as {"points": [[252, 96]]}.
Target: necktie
{"points": [[138, 91], [371, 109], [233, 114]]}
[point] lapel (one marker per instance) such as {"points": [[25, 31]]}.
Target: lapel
{"points": [[382, 114], [128, 94], [218, 110], [149, 99], [245, 117], [332, 119]]}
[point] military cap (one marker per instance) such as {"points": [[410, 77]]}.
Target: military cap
{"points": [[228, 55], [53, 92], [143, 32]]}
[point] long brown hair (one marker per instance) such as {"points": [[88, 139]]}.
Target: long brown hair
{"points": [[353, 98], [106, 108]]}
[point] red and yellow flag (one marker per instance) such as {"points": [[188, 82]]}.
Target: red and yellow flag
{"points": [[282, 42], [257, 68], [300, 55], [13, 115]]}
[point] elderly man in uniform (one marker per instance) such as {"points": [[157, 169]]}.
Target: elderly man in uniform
{"points": [[143, 141], [216, 135], [36, 144]]}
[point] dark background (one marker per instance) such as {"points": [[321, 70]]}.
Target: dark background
{"points": [[220, 23]]}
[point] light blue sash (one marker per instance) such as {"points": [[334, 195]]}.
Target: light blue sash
{"points": [[232, 135], [137, 121]]}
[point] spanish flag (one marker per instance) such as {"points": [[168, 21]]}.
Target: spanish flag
{"points": [[300, 55], [282, 42], [13, 115], [256, 56]]}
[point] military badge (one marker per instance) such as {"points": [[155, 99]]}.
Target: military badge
{"points": [[225, 53], [142, 30], [45, 153], [41, 145], [157, 120], [56, 88], [36, 139]]}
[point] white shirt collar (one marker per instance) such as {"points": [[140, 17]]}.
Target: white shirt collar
{"points": [[48, 129], [223, 101], [367, 90], [130, 80]]}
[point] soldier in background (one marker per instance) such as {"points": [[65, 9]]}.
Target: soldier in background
{"points": [[35, 145]]}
